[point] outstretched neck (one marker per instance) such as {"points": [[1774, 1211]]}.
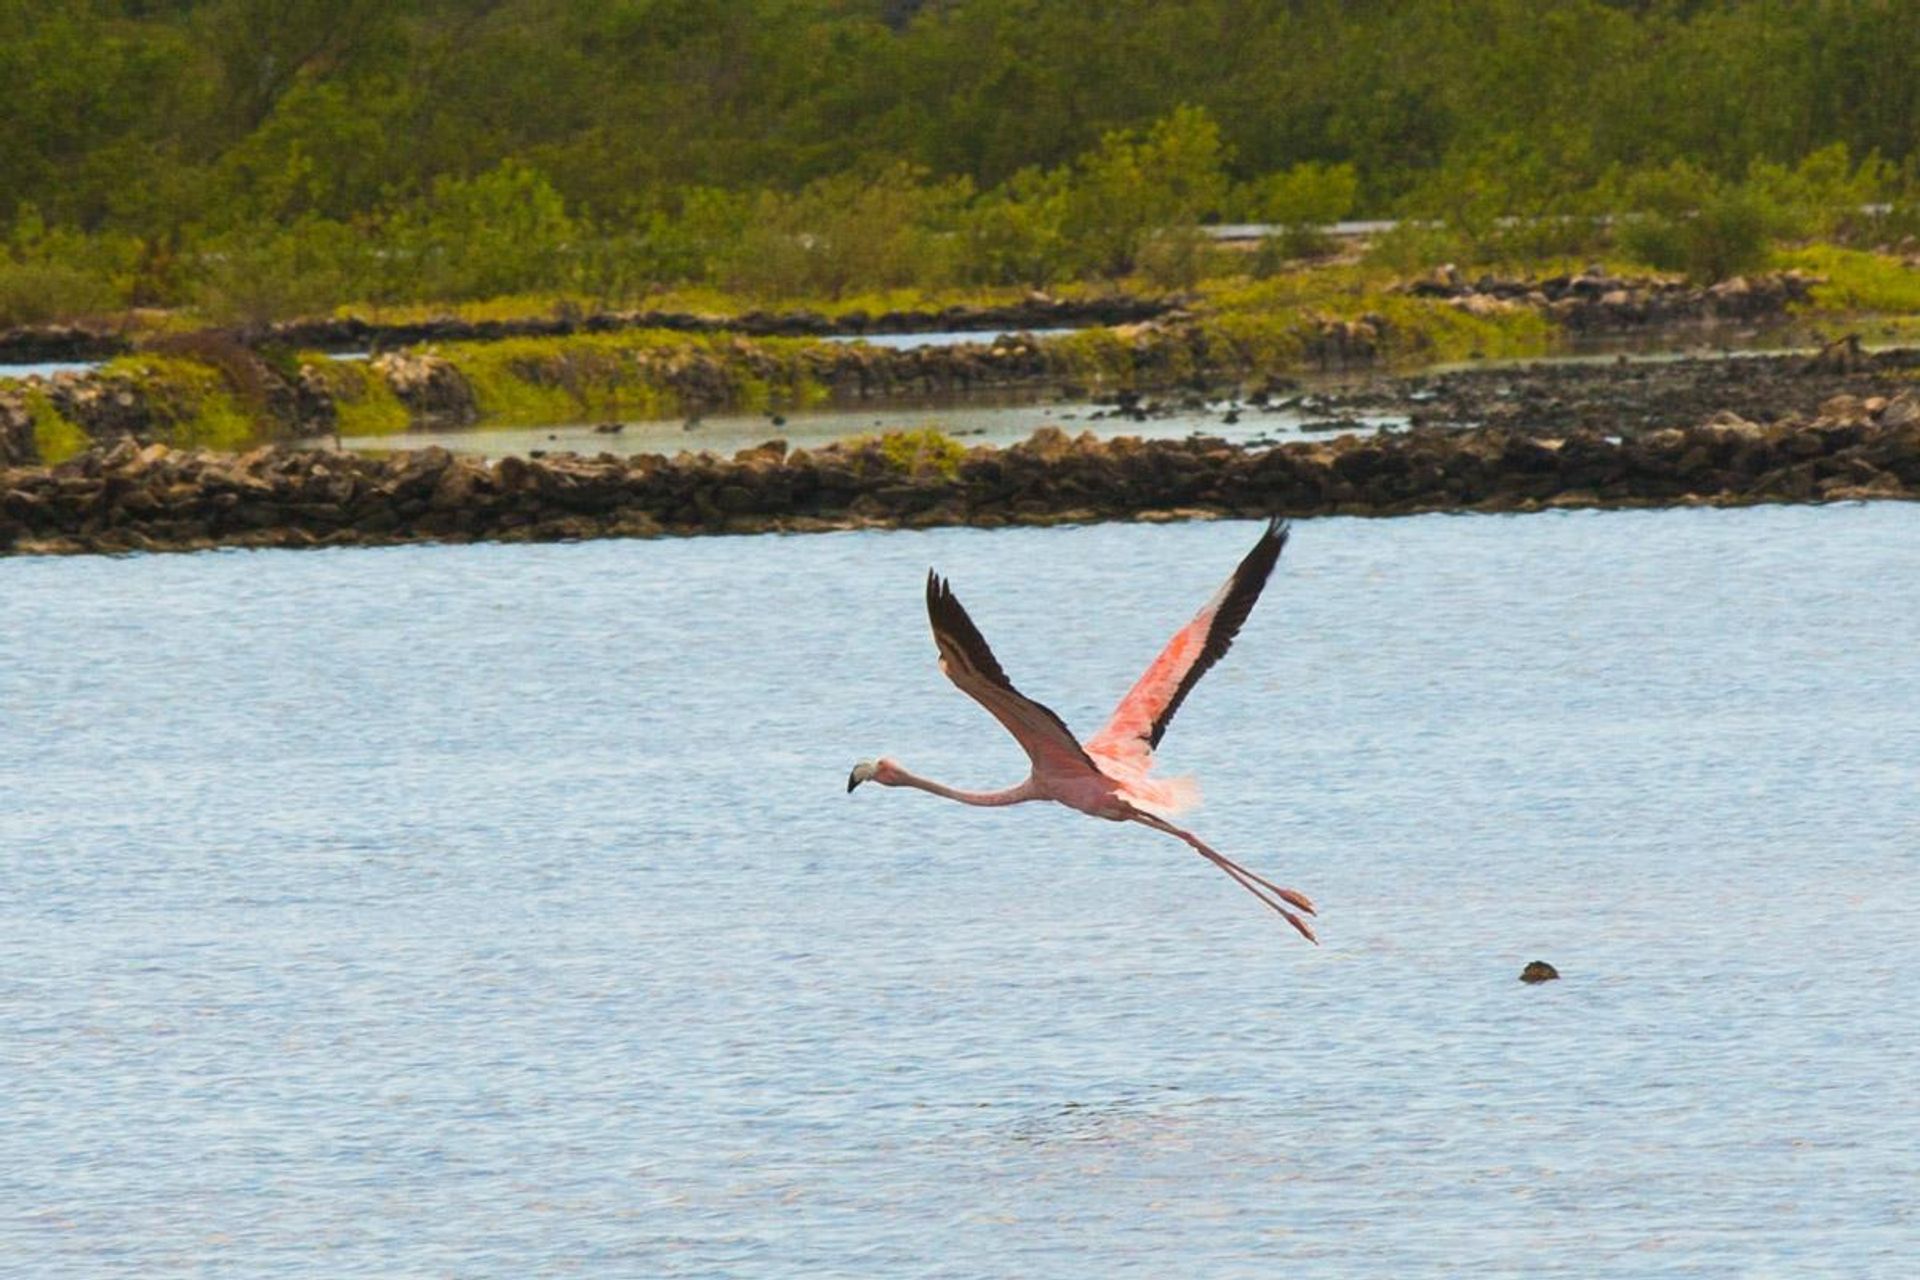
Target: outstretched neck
{"points": [[1010, 795]]}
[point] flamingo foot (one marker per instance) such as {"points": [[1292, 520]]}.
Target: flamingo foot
{"points": [[1252, 884]]}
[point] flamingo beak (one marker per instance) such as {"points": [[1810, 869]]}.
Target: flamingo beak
{"points": [[861, 773]]}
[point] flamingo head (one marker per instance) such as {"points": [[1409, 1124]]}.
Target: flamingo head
{"points": [[883, 771]]}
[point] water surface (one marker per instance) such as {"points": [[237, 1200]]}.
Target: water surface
{"points": [[991, 420], [500, 911], [47, 368]]}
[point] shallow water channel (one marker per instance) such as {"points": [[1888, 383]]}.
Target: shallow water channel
{"points": [[501, 911]]}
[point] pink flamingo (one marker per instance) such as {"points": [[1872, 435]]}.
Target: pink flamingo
{"points": [[1108, 775]]}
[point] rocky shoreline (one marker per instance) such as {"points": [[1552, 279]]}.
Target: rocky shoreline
{"points": [[1618, 396], [1591, 302], [32, 344], [1157, 366], [1597, 302], [130, 498]]}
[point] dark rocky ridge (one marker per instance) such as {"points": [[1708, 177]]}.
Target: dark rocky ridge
{"points": [[1620, 397], [1596, 302], [1590, 302], [153, 499], [1039, 311]]}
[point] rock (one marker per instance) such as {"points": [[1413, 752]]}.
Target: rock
{"points": [[1841, 356], [1903, 410], [1842, 408], [428, 385], [1480, 304], [1539, 971], [154, 497]]}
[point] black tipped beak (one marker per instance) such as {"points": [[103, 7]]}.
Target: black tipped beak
{"points": [[853, 780]]}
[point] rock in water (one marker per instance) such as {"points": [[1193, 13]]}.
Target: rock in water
{"points": [[1539, 971]]}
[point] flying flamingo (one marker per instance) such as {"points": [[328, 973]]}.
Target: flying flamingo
{"points": [[1108, 775]]}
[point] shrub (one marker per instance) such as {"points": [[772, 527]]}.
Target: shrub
{"points": [[1303, 201], [1017, 233], [1131, 187], [847, 232], [41, 292], [1176, 257], [49, 274], [1686, 220], [918, 451], [505, 231], [273, 273]]}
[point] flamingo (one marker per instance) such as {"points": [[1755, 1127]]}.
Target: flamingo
{"points": [[1109, 775]]}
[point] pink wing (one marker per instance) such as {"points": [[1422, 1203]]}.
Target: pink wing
{"points": [[970, 664], [1143, 715]]}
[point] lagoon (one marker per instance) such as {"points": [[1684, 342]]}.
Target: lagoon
{"points": [[499, 910]]}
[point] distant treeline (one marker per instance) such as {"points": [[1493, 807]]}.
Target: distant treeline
{"points": [[261, 155]]}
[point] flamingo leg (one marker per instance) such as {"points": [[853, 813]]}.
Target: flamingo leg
{"points": [[1244, 878]]}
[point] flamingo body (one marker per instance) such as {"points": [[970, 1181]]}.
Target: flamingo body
{"points": [[1110, 775]]}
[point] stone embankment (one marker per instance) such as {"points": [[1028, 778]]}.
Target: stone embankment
{"points": [[35, 343], [1593, 301], [150, 499], [1038, 311], [1598, 302]]}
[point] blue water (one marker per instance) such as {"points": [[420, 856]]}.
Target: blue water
{"points": [[500, 911], [47, 368], [941, 338]]}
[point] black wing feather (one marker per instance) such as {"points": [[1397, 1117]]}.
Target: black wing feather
{"points": [[1242, 590], [951, 621]]}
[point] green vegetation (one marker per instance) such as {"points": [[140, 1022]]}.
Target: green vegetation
{"points": [[1859, 282], [193, 399], [645, 373], [363, 401], [919, 451], [55, 437], [252, 159]]}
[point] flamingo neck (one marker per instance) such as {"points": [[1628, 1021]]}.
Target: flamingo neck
{"points": [[1009, 795]]}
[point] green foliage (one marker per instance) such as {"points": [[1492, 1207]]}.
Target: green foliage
{"points": [[501, 232], [1017, 233], [1176, 257], [1859, 281], [269, 272], [189, 398], [921, 451], [268, 156], [363, 401], [41, 292], [1306, 195], [55, 437], [1302, 201], [1825, 195], [846, 231], [53, 273], [1267, 324], [1133, 187], [647, 373], [1686, 220], [1415, 244]]}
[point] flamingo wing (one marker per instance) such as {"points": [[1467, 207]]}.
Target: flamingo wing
{"points": [[970, 664], [1142, 717]]}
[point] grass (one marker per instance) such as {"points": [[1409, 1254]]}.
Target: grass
{"points": [[1857, 280], [703, 300], [1244, 326], [55, 437], [918, 451], [646, 373], [191, 399], [364, 405]]}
